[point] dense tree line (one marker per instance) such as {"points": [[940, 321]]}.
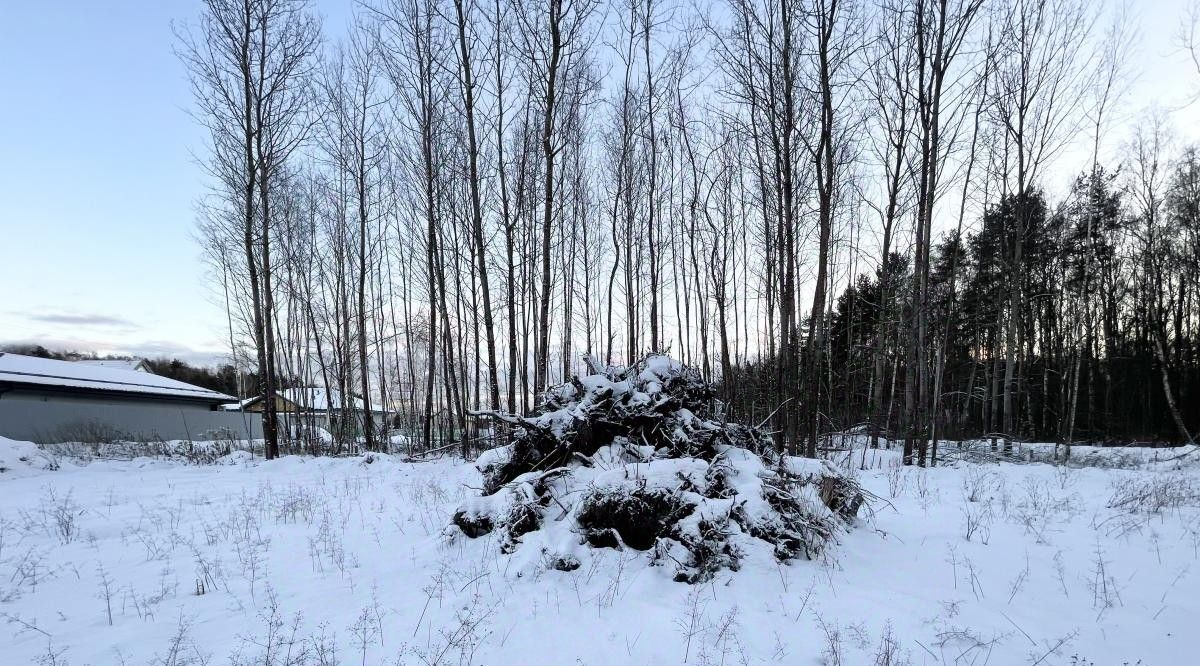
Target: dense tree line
{"points": [[39, 351], [223, 377], [1082, 379], [836, 208]]}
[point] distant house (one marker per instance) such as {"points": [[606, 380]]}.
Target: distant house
{"points": [[44, 400], [135, 364], [313, 406]]}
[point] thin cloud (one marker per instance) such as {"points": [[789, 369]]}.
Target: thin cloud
{"points": [[81, 320]]}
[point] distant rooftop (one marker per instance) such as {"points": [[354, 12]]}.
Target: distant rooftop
{"points": [[315, 398], [30, 370], [310, 398], [136, 364]]}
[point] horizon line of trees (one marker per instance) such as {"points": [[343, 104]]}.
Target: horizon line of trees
{"points": [[836, 209]]}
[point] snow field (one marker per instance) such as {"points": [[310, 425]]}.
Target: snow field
{"points": [[322, 561]]}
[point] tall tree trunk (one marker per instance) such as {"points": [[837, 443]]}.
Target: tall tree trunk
{"points": [[480, 242]]}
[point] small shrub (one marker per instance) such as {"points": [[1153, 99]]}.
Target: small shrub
{"points": [[1154, 494]]}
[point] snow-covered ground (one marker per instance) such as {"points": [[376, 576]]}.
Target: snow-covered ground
{"points": [[321, 561]]}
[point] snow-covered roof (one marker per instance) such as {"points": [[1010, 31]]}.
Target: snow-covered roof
{"points": [[135, 364], [238, 406], [316, 398], [311, 398], [18, 369]]}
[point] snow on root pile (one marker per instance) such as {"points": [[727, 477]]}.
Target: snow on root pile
{"points": [[634, 458]]}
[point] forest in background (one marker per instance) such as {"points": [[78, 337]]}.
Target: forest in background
{"points": [[838, 210]]}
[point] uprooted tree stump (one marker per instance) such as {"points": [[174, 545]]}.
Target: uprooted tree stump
{"points": [[638, 458]]}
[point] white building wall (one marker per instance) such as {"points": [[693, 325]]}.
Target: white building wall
{"points": [[58, 417]]}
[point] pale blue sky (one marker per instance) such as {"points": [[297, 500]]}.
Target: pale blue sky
{"points": [[98, 182]]}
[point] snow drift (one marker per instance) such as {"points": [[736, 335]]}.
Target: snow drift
{"points": [[19, 458], [639, 458]]}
